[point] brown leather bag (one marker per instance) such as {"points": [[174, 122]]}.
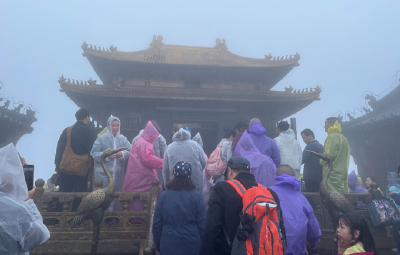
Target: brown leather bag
{"points": [[73, 164]]}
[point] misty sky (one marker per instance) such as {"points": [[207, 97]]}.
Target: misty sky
{"points": [[346, 47]]}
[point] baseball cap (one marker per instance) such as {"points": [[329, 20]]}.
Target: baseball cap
{"points": [[238, 162]]}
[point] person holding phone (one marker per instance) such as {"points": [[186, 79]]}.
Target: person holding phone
{"points": [[21, 225]]}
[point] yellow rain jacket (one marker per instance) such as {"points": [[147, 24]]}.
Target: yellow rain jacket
{"points": [[104, 131], [337, 147]]}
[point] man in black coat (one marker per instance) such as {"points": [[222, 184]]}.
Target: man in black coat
{"points": [[225, 206], [82, 139]]}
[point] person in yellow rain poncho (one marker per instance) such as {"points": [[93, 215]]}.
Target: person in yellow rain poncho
{"points": [[337, 147]]}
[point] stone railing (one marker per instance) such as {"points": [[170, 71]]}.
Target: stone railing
{"points": [[122, 232]]}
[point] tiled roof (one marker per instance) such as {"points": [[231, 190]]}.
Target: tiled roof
{"points": [[159, 53], [384, 112]]}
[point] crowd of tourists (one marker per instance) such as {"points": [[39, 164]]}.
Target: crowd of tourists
{"points": [[245, 196]]}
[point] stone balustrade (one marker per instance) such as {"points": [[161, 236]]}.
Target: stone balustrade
{"points": [[122, 232], [128, 232]]}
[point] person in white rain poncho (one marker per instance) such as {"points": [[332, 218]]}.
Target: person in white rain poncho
{"points": [[289, 147], [159, 145], [21, 225], [115, 163], [184, 149]]}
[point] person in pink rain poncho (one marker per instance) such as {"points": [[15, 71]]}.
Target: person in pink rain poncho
{"points": [[142, 166]]}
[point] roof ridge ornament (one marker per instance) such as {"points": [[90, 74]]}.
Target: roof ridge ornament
{"points": [[113, 49], [268, 57], [157, 42], [220, 45], [289, 90]]}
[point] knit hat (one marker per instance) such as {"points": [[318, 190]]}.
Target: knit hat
{"points": [[182, 169]]}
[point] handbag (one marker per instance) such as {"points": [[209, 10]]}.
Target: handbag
{"points": [[383, 212], [71, 163]]}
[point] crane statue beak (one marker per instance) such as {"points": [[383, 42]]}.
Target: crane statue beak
{"points": [[323, 156], [110, 152]]}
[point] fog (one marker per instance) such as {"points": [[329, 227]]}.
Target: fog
{"points": [[346, 47]]}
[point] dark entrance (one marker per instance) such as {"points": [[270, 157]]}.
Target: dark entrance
{"points": [[208, 131]]}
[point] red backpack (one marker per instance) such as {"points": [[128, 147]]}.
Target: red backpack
{"points": [[215, 166], [259, 230]]}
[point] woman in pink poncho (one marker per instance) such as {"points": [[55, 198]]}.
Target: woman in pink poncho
{"points": [[142, 165]]}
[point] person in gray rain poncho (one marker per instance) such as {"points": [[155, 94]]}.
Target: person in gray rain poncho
{"points": [[21, 225], [159, 145], [115, 163], [183, 148]]}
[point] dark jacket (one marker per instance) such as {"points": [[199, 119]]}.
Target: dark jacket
{"points": [[82, 140], [312, 167], [179, 222], [224, 207]]}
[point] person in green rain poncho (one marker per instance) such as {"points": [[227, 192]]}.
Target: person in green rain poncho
{"points": [[337, 147]]}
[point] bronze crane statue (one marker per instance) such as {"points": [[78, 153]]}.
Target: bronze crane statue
{"points": [[94, 204], [335, 202]]}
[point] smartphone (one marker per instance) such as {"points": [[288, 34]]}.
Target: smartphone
{"points": [[28, 172]]}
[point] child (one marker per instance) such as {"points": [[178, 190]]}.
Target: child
{"points": [[180, 216], [354, 236]]}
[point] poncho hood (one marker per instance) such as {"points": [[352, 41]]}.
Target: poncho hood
{"points": [[12, 180], [336, 128], [109, 129], [197, 139], [257, 129], [288, 135], [150, 132], [181, 135], [246, 145], [284, 179], [354, 185]]}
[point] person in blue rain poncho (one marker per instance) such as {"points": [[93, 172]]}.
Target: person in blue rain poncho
{"points": [[21, 225], [393, 185], [115, 163], [299, 219]]}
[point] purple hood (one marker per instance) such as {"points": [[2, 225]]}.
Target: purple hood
{"points": [[354, 185], [261, 166], [257, 129], [284, 179]]}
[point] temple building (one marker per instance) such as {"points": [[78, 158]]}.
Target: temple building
{"points": [[205, 88], [374, 137], [15, 122]]}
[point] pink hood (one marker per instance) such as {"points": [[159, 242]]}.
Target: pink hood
{"points": [[150, 133]]}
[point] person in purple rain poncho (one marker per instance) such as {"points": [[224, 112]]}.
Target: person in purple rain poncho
{"points": [[354, 185], [142, 165], [264, 144], [261, 166], [298, 216]]}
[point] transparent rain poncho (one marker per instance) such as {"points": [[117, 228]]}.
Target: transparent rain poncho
{"points": [[116, 166], [206, 184], [21, 225], [184, 149], [290, 150]]}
